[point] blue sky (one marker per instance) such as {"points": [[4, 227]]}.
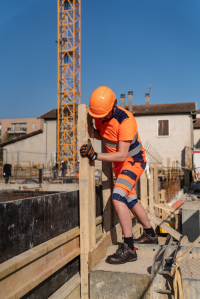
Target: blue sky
{"points": [[126, 45]]}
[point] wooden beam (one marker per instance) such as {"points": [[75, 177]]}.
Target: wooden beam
{"points": [[156, 187], [99, 250], [137, 230], [87, 197], [163, 225], [107, 186], [151, 200], [71, 289], [143, 190], [24, 272], [21, 260], [163, 202], [166, 208]]}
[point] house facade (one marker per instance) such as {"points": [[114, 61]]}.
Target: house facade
{"points": [[16, 127], [37, 147], [168, 128]]}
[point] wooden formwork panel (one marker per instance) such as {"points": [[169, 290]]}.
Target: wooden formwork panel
{"points": [[23, 273]]}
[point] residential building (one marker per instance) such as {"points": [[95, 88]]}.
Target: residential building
{"points": [[167, 128], [13, 128], [38, 146]]}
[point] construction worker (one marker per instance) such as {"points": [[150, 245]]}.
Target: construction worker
{"points": [[117, 128]]}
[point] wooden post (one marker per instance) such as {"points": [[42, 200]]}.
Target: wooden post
{"points": [[143, 190], [107, 187], [163, 192], [156, 187], [151, 207], [86, 198]]}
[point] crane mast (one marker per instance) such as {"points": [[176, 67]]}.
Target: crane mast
{"points": [[69, 79]]}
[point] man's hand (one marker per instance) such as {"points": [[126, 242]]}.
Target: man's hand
{"points": [[87, 150]]}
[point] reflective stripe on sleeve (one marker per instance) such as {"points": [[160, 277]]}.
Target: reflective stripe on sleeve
{"points": [[135, 151], [110, 143], [124, 182], [132, 153], [135, 138]]}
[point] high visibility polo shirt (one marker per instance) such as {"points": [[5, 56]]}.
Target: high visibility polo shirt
{"points": [[122, 126]]}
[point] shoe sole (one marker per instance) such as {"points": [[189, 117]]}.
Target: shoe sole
{"points": [[132, 260]]}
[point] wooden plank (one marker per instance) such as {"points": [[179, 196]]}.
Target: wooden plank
{"points": [[69, 289], [156, 187], [20, 282], [86, 197], [107, 185], [137, 230], [167, 208], [163, 202], [151, 201], [143, 190], [163, 225], [99, 231], [99, 250], [31, 255], [99, 220]]}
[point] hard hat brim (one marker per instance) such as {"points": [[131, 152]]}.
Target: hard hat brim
{"points": [[98, 115]]}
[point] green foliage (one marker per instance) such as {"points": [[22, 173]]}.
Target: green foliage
{"points": [[34, 166], [6, 137]]}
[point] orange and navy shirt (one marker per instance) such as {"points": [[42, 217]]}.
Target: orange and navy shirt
{"points": [[123, 127]]}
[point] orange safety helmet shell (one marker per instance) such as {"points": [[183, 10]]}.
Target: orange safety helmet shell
{"points": [[101, 101]]}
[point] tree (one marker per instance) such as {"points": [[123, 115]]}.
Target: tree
{"points": [[6, 137]]}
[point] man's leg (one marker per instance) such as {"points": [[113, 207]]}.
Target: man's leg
{"points": [[124, 216], [127, 252], [127, 178], [140, 213]]}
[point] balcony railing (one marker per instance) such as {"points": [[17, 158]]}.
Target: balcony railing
{"points": [[17, 129]]}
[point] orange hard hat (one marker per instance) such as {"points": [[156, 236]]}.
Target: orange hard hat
{"points": [[102, 101]]}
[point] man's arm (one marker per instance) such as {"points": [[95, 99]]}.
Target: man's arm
{"points": [[97, 134], [119, 156]]}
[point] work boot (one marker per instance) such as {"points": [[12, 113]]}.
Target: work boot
{"points": [[146, 239], [123, 255]]}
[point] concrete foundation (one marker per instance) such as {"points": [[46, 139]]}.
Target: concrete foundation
{"points": [[191, 220], [130, 280], [140, 279]]}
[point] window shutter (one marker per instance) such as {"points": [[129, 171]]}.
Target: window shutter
{"points": [[163, 127]]}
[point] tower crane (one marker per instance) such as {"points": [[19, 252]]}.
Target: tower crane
{"points": [[69, 79]]}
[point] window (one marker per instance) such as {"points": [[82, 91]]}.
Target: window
{"points": [[23, 127], [163, 127], [34, 126], [14, 128]]}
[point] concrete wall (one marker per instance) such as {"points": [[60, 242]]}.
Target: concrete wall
{"points": [[180, 135], [197, 138], [31, 149], [40, 148]]}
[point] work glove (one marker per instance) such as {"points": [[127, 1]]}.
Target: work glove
{"points": [[87, 150]]}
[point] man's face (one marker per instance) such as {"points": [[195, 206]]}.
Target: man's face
{"points": [[107, 117]]}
